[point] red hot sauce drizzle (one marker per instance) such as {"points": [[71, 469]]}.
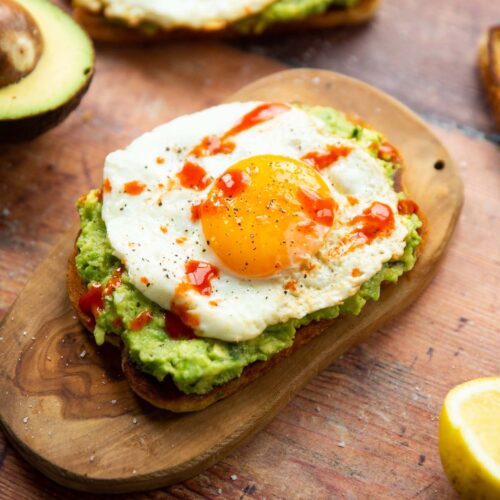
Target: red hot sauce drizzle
{"points": [[176, 329], [134, 188], [196, 211], [260, 114], [212, 145], [114, 282], [199, 276], [319, 209], [233, 183], [320, 160], [193, 176], [91, 303], [407, 207], [388, 152], [106, 186], [141, 320], [376, 220]]}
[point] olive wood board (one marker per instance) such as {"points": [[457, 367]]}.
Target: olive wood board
{"points": [[64, 403]]}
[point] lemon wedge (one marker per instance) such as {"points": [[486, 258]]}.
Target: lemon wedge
{"points": [[469, 438]]}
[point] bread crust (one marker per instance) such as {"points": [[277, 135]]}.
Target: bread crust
{"points": [[165, 394], [489, 67], [103, 30]]}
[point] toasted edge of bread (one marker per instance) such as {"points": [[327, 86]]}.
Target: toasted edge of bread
{"points": [[489, 67], [166, 395], [104, 30]]}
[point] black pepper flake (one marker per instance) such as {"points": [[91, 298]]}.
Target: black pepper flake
{"points": [[439, 165]]}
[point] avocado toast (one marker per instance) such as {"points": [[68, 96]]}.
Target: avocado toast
{"points": [[168, 365], [107, 24]]}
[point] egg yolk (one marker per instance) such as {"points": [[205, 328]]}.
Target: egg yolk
{"points": [[265, 214]]}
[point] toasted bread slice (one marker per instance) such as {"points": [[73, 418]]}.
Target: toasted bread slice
{"points": [[165, 394], [106, 30], [489, 66]]}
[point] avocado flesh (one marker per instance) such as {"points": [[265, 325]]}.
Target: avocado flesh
{"points": [[284, 11], [44, 97], [198, 365]]}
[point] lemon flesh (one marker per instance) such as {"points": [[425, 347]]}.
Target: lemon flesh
{"points": [[469, 438]]}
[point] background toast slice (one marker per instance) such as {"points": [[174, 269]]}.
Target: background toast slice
{"points": [[106, 30], [489, 66]]}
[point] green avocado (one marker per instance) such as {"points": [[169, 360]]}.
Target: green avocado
{"points": [[284, 11], [53, 88], [198, 365]]}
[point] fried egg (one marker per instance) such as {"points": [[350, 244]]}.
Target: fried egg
{"points": [[246, 215], [169, 14]]}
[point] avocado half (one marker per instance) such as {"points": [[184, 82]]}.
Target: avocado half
{"points": [[45, 96]]}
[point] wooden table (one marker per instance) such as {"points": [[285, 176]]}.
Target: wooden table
{"points": [[367, 426]]}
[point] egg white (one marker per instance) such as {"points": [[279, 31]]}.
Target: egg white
{"points": [[245, 307], [169, 14]]}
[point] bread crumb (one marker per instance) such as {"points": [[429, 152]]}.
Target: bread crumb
{"points": [[341, 444], [25, 420]]}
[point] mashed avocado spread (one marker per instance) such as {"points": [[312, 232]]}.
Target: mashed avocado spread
{"points": [[198, 365], [283, 11]]}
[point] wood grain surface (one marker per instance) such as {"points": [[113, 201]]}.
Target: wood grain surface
{"points": [[368, 424], [55, 388]]}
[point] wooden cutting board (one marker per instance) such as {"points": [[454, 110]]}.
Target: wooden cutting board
{"points": [[64, 404]]}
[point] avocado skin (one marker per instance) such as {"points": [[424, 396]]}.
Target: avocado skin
{"points": [[30, 127]]}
